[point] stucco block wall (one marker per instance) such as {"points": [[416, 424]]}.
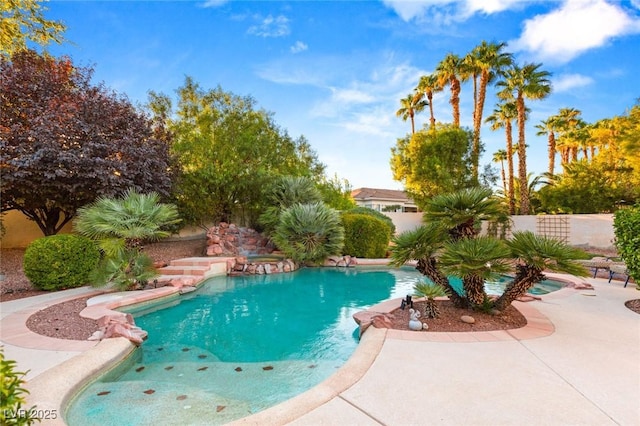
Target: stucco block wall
{"points": [[20, 231], [405, 221]]}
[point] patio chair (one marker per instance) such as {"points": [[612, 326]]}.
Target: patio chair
{"points": [[619, 268], [597, 263]]}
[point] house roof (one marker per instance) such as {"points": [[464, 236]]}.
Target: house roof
{"points": [[366, 194]]}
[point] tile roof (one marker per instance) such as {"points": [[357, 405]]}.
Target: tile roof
{"points": [[362, 194]]}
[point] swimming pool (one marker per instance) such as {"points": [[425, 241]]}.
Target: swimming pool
{"points": [[238, 345]]}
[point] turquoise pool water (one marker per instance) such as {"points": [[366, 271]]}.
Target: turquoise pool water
{"points": [[238, 345]]}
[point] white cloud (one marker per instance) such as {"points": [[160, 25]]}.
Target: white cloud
{"points": [[567, 82], [214, 3], [446, 11], [298, 47], [574, 28], [271, 27]]}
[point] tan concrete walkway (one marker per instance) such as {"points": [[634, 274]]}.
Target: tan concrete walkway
{"points": [[586, 372]]}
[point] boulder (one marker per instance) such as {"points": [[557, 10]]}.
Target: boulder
{"points": [[467, 319]]}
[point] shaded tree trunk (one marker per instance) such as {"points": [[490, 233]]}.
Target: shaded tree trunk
{"points": [[427, 267], [511, 190], [474, 288], [525, 278], [552, 153], [522, 158]]}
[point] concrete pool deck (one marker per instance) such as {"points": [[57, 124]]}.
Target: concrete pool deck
{"points": [[585, 370]]}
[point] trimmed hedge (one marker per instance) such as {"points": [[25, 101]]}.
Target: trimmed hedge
{"points": [[60, 261], [374, 213], [626, 226], [365, 236]]}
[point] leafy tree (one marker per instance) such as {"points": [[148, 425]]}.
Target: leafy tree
{"points": [[433, 161], [371, 212], [597, 186], [120, 226], [336, 193], [309, 233], [64, 141], [22, 21], [229, 152], [520, 83], [365, 236]]}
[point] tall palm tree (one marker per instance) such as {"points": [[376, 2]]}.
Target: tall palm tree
{"points": [[499, 157], [570, 133], [484, 62], [533, 255], [410, 105], [520, 83], [502, 117], [427, 86], [450, 72], [549, 127]]}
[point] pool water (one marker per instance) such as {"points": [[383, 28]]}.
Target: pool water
{"points": [[239, 345]]}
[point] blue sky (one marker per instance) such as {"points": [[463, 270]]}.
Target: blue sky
{"points": [[335, 71]]}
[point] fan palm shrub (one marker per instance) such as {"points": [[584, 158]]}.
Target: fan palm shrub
{"points": [[309, 233], [286, 192], [120, 226], [534, 254], [474, 260], [430, 291]]}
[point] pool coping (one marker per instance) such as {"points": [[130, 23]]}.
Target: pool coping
{"points": [[97, 359]]}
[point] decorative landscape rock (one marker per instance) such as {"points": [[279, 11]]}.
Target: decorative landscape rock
{"points": [[341, 261], [230, 240], [468, 319], [119, 326]]}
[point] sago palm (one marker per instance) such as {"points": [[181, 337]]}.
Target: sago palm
{"points": [[458, 211], [475, 260], [533, 255], [423, 244], [120, 225], [430, 291]]}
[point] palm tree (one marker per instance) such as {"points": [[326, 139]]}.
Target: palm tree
{"points": [[121, 225], [450, 71], [430, 291], [409, 107], [572, 133], [427, 86], [535, 254], [309, 233], [422, 244], [499, 157], [502, 117], [549, 127], [474, 260], [520, 83], [459, 211], [485, 62]]}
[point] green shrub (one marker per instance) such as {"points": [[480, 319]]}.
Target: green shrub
{"points": [[13, 395], [60, 261], [309, 233], [626, 225], [365, 236], [377, 215]]}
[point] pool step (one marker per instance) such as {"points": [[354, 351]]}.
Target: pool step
{"points": [[185, 270], [198, 261]]}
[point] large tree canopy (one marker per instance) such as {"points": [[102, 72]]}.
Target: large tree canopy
{"points": [[229, 151], [433, 161], [64, 141], [22, 21]]}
